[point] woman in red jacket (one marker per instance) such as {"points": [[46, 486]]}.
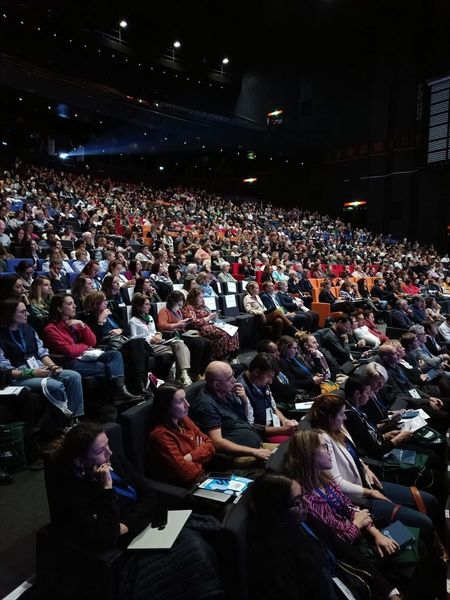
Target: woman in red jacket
{"points": [[71, 337], [178, 450]]}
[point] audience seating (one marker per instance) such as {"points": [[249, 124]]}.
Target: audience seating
{"points": [[65, 570]]}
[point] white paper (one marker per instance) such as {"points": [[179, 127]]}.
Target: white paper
{"points": [[413, 424], [159, 306], [155, 539], [230, 301], [231, 287], [210, 302], [344, 589], [229, 329], [303, 405], [11, 390]]}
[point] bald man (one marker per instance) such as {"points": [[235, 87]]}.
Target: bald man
{"points": [[221, 412]]}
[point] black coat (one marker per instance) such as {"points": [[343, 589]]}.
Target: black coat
{"points": [[290, 565]]}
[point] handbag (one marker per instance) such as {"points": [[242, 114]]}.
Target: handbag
{"points": [[357, 580], [114, 341]]}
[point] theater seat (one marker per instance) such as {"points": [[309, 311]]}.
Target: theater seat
{"points": [[323, 309], [135, 424], [65, 570]]}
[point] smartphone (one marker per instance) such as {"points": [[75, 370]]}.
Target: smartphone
{"points": [[221, 476], [159, 521]]}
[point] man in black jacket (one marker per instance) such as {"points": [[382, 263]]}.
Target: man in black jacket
{"points": [[59, 281], [335, 340], [400, 316], [399, 386], [295, 306]]}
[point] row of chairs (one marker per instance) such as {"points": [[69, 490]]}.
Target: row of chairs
{"points": [[57, 560]]}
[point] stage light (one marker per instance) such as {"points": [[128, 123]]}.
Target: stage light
{"points": [[249, 180], [123, 24], [177, 44], [161, 168], [225, 61], [4, 143], [63, 155]]}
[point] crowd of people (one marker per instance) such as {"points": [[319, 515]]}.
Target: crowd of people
{"points": [[114, 281]]}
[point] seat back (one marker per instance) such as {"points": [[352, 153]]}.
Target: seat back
{"points": [[235, 528], [135, 423], [193, 391], [229, 305]]}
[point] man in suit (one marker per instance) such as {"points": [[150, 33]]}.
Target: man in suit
{"points": [[271, 302], [326, 295], [432, 338], [400, 387], [400, 315], [59, 281], [418, 309], [379, 291], [296, 306]]}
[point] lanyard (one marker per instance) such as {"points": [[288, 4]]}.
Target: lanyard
{"points": [[112, 323], [352, 450], [282, 378], [302, 366], [177, 313], [22, 344], [401, 375], [331, 499], [126, 490]]}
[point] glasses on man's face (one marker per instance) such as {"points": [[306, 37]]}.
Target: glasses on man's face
{"points": [[228, 379]]}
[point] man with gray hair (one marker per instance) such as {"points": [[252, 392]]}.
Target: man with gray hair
{"points": [[426, 360], [221, 411]]}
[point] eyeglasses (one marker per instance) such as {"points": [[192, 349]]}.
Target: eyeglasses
{"points": [[23, 312], [325, 447], [229, 379]]}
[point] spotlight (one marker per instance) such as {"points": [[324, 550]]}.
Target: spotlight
{"points": [[161, 168], [177, 44], [225, 61], [63, 155], [249, 180], [123, 24]]}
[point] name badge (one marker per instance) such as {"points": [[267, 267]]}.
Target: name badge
{"points": [[275, 420], [414, 394], [32, 363]]}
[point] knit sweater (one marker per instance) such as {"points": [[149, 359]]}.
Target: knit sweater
{"points": [[167, 447], [70, 342]]}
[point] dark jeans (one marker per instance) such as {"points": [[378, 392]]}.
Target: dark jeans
{"points": [[109, 364], [407, 514]]}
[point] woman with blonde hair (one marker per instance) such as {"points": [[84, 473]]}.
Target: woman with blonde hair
{"points": [[40, 296], [309, 462]]}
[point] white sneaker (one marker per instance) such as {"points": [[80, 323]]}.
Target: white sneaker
{"points": [[184, 379]]}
